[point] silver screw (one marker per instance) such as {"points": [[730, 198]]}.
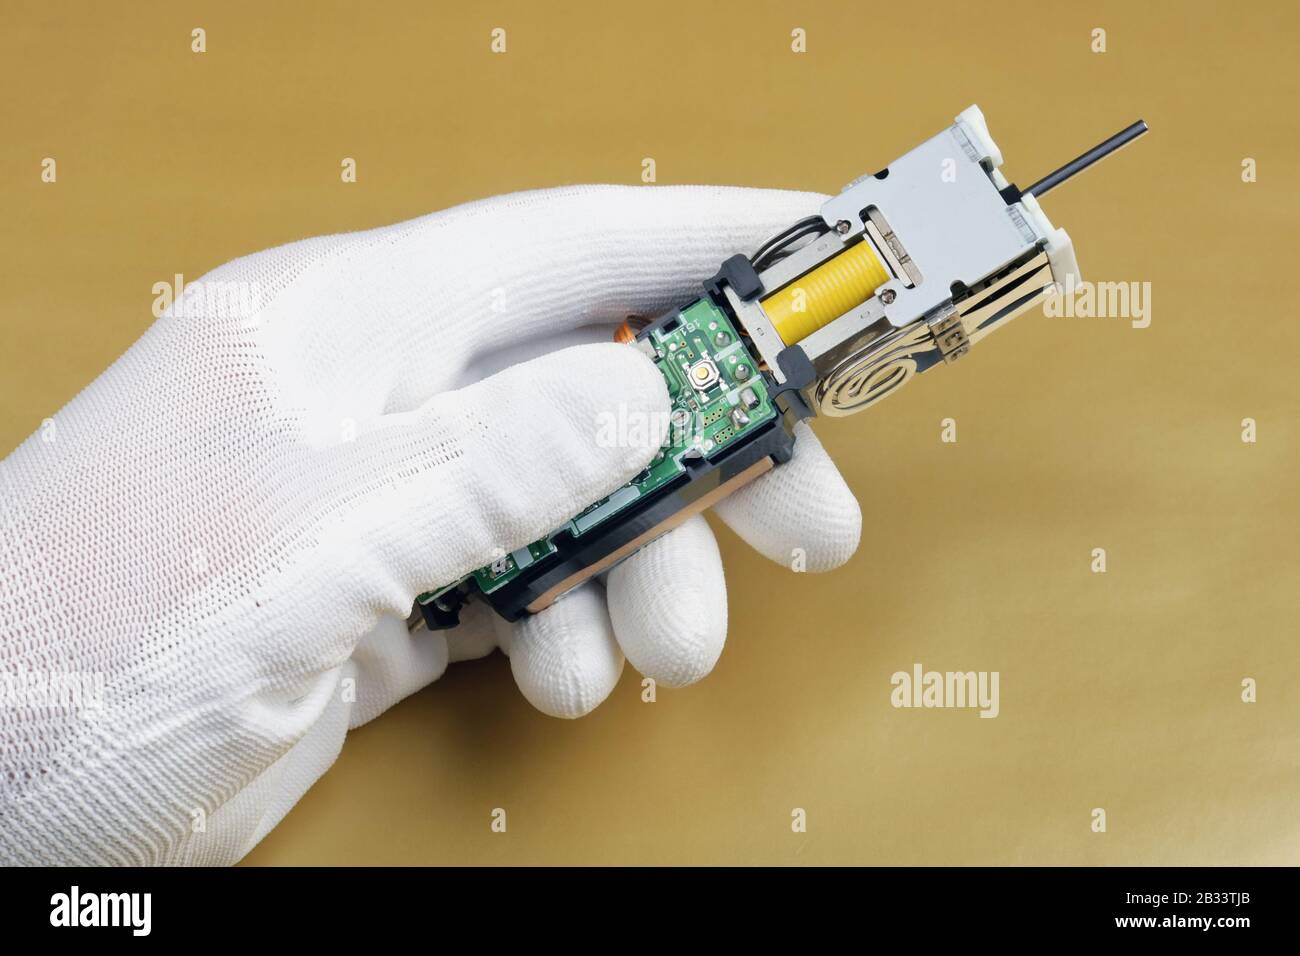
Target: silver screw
{"points": [[843, 227], [888, 296]]}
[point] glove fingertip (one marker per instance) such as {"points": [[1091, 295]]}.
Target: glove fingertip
{"points": [[565, 659], [803, 515], [668, 604]]}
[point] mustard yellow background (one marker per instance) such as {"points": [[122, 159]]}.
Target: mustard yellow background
{"points": [[1119, 690]]}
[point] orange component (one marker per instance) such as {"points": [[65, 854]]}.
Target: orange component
{"points": [[624, 335]]}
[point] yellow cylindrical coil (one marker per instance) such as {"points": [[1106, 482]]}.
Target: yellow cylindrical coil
{"points": [[824, 294]]}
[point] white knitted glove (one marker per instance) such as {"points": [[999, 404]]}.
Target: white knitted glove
{"points": [[206, 558]]}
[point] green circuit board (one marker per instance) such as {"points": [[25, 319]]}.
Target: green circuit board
{"points": [[717, 395]]}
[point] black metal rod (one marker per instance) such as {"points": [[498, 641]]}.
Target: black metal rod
{"points": [[1075, 166]]}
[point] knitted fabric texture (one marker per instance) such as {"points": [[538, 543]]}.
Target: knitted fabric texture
{"points": [[206, 557]]}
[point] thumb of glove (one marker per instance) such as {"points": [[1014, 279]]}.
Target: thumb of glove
{"points": [[481, 471]]}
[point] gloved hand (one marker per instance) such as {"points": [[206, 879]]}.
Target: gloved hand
{"points": [[207, 557]]}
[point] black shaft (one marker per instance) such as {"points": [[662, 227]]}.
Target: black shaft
{"points": [[1074, 166]]}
